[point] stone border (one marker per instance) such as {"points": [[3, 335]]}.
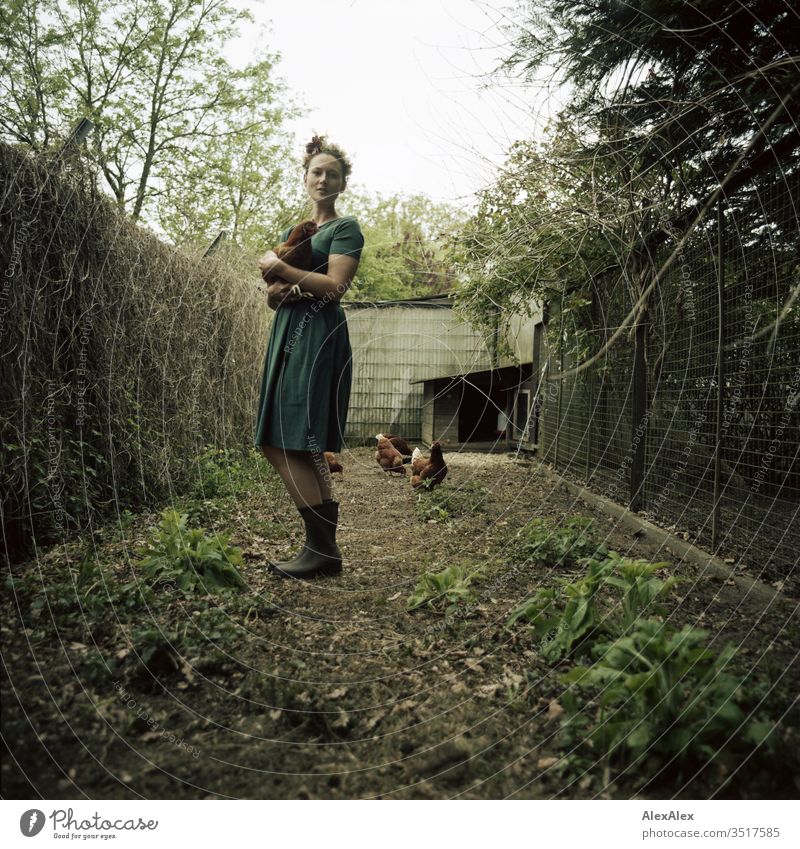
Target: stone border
{"points": [[671, 544]]}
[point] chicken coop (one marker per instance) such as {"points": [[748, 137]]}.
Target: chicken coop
{"points": [[420, 371]]}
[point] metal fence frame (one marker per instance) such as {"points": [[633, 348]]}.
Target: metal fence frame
{"points": [[693, 419]]}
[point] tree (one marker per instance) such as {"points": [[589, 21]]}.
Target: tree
{"points": [[247, 183], [151, 76], [551, 228], [405, 240], [665, 98], [674, 87], [30, 82]]}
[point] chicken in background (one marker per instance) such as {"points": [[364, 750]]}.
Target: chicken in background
{"points": [[388, 457], [333, 464], [399, 443], [428, 471]]}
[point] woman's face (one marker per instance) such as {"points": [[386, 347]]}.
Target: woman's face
{"points": [[324, 178]]}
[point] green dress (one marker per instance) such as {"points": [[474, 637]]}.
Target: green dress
{"points": [[305, 388]]}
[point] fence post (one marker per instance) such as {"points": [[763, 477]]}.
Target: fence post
{"points": [[639, 415], [590, 389], [639, 393], [560, 384], [720, 374], [538, 383], [214, 246]]}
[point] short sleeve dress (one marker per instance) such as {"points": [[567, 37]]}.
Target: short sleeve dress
{"points": [[305, 388]]}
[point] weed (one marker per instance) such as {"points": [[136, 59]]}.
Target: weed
{"points": [[441, 505], [664, 699], [218, 473], [451, 586], [640, 587], [562, 617], [188, 558], [543, 541], [569, 615]]}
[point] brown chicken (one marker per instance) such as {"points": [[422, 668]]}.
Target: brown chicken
{"points": [[428, 471], [388, 457], [296, 250], [333, 464], [399, 443]]}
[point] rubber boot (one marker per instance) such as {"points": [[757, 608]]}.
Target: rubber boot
{"points": [[280, 564], [320, 554]]}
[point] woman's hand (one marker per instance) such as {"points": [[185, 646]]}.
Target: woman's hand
{"points": [[267, 264], [280, 293]]}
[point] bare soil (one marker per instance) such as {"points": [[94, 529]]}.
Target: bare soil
{"points": [[334, 689]]}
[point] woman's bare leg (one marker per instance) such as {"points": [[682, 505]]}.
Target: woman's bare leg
{"points": [[298, 474]]}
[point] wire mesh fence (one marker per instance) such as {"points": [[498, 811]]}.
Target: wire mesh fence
{"points": [[719, 436]]}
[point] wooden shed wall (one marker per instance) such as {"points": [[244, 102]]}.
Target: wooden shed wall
{"points": [[394, 345]]}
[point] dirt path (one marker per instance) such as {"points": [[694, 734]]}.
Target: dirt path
{"points": [[335, 690]]}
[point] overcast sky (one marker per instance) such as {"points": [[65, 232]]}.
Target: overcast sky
{"points": [[398, 86]]}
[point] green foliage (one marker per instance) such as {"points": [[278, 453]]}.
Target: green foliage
{"points": [[246, 183], [217, 473], [530, 240], [189, 559], [565, 617], [673, 115], [69, 476], [555, 225], [405, 246], [180, 135], [451, 586], [640, 587], [543, 541], [662, 697], [570, 617], [214, 473], [445, 503]]}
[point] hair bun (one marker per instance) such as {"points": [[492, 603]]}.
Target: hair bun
{"points": [[315, 145]]}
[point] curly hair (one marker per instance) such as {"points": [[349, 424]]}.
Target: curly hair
{"points": [[319, 145]]}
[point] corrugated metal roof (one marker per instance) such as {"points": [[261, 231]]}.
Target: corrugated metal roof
{"points": [[424, 301], [505, 371]]}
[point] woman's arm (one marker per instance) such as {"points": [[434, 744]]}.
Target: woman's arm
{"points": [[331, 286]]}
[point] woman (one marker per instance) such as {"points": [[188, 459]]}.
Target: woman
{"points": [[305, 390]]}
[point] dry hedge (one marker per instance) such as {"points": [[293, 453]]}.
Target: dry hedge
{"points": [[120, 357]]}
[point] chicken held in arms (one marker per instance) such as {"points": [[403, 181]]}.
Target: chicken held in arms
{"points": [[388, 457], [430, 471], [296, 251]]}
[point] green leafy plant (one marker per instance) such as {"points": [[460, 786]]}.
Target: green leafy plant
{"points": [[188, 558], [214, 469], [543, 541], [662, 697], [571, 613], [442, 504], [450, 586], [564, 616], [640, 587]]}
